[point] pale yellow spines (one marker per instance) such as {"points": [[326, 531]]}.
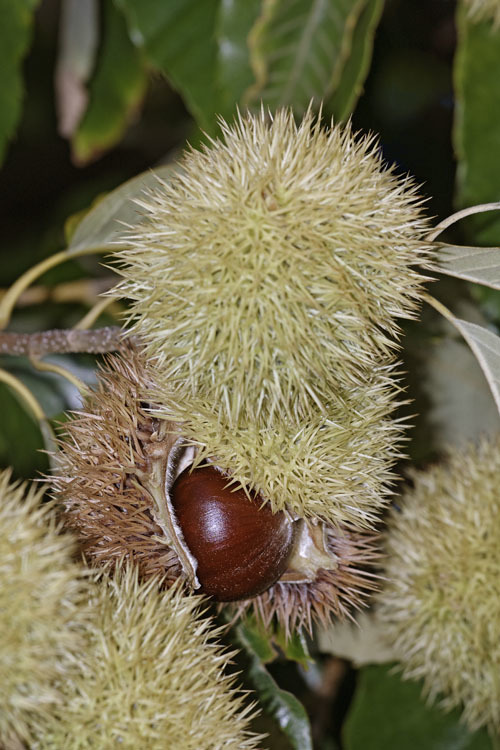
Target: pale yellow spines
{"points": [[441, 604], [151, 676], [42, 602], [266, 282], [271, 269], [335, 466]]}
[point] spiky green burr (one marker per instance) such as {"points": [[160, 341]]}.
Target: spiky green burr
{"points": [[441, 604], [266, 282], [151, 675], [42, 599]]}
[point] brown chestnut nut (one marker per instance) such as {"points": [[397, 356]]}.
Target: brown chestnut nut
{"points": [[241, 548]]}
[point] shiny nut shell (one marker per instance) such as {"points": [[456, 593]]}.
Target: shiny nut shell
{"points": [[241, 548]]}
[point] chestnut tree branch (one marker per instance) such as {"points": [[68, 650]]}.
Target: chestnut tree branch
{"points": [[62, 341]]}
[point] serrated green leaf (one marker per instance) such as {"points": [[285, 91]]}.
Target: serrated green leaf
{"points": [[298, 50], [234, 72], [477, 114], [286, 709], [15, 35], [389, 714], [341, 104], [178, 38], [478, 264], [107, 221], [116, 90]]}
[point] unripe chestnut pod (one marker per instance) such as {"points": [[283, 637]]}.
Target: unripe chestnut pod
{"points": [[241, 548]]}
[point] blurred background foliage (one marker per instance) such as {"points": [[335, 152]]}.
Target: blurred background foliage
{"points": [[94, 92]]}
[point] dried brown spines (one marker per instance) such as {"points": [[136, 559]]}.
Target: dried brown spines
{"points": [[102, 482], [107, 447], [332, 594]]}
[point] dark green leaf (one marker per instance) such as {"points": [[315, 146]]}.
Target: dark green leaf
{"points": [[234, 71], [299, 49], [389, 714], [15, 33], [477, 114], [178, 38], [294, 647], [341, 104], [116, 90], [282, 705], [20, 440]]}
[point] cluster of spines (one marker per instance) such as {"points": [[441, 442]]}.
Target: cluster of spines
{"points": [[43, 596], [103, 453], [440, 606], [152, 674], [100, 484], [333, 594], [273, 267], [266, 283]]}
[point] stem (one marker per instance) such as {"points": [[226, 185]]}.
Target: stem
{"points": [[442, 309], [481, 208], [62, 341], [23, 282]]}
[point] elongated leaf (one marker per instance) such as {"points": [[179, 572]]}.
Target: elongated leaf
{"points": [[389, 714], [341, 104], [15, 33], [484, 344], [282, 705], [477, 114], [106, 222], [299, 49], [234, 74], [178, 38], [116, 90], [460, 408], [478, 264], [78, 41], [486, 347]]}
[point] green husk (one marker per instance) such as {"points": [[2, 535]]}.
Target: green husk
{"points": [[440, 607]]}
